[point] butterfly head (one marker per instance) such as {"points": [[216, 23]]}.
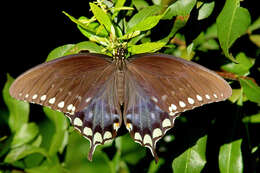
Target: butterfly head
{"points": [[120, 53]]}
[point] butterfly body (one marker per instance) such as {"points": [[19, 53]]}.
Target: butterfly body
{"points": [[146, 92]]}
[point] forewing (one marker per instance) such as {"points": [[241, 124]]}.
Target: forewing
{"points": [[82, 87], [163, 86]]}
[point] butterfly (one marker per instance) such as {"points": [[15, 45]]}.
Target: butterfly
{"points": [[98, 93]]}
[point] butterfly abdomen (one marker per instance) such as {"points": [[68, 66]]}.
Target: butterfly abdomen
{"points": [[120, 83]]}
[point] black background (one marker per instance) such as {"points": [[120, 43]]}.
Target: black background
{"points": [[30, 30]]}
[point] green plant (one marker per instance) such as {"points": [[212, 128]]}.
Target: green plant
{"points": [[52, 145]]}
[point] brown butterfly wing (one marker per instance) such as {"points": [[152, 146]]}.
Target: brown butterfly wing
{"points": [[82, 87], [159, 87]]}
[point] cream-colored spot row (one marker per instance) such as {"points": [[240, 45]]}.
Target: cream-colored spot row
{"points": [[147, 140], [207, 96], [97, 138], [182, 104], [137, 136], [157, 132], [61, 104], [107, 135], [166, 123], [87, 131], [172, 108], [52, 100], [191, 101], [199, 98], [43, 97], [77, 122], [34, 96]]}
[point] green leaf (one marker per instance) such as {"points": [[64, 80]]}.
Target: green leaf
{"points": [[206, 10], [101, 16], [179, 8], [255, 39], [232, 22], [25, 134], [85, 45], [18, 110], [154, 167], [242, 66], [59, 52], [61, 125], [128, 150], [146, 47], [237, 96], [140, 4], [146, 24], [142, 15], [250, 89], [252, 118], [255, 25], [23, 151], [193, 159], [230, 157]]}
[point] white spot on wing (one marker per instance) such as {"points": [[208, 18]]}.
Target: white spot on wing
{"points": [[199, 98], [52, 100], [77, 121], [138, 136], [157, 133], [43, 97], [61, 104], [97, 138], [87, 131], [207, 96], [191, 101], [172, 108], [69, 108], [166, 122], [88, 99], [215, 95], [154, 99], [34, 96], [107, 135], [182, 104], [27, 95], [148, 139]]}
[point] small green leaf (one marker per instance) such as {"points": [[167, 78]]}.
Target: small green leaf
{"points": [[232, 22], [206, 10], [23, 151], [85, 45], [252, 119], [193, 159], [242, 66], [142, 15], [154, 167], [25, 134], [101, 16], [230, 157], [255, 39], [250, 89], [179, 8], [18, 110], [140, 4], [255, 25], [237, 96], [146, 47], [146, 24], [61, 126], [59, 52]]}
